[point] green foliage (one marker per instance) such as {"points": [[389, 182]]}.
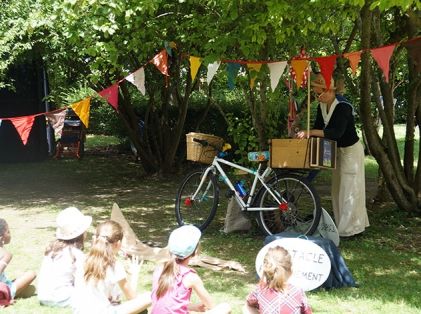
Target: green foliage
{"points": [[104, 120], [243, 135]]}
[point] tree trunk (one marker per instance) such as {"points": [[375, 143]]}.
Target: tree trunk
{"points": [[157, 145], [386, 154]]}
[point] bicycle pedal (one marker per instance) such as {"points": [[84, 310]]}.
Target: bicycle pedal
{"points": [[229, 194]]}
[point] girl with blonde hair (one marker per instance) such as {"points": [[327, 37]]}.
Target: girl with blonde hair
{"points": [[173, 282], [105, 278], [274, 295]]}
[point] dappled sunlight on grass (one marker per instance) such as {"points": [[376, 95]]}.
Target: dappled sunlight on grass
{"points": [[385, 261]]}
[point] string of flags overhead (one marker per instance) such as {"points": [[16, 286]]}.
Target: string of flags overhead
{"points": [[298, 70]]}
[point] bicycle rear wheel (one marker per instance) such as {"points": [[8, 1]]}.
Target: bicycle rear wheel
{"points": [[299, 211], [202, 209]]}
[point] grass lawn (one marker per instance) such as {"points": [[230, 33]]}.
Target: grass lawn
{"points": [[385, 262]]}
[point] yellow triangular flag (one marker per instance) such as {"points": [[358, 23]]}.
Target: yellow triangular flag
{"points": [[82, 109], [194, 66], [254, 68]]}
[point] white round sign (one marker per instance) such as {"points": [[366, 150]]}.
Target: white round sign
{"points": [[310, 263], [327, 227]]}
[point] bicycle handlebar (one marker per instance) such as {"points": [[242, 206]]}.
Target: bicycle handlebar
{"points": [[206, 143], [202, 142]]}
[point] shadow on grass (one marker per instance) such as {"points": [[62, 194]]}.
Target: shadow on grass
{"points": [[385, 261]]}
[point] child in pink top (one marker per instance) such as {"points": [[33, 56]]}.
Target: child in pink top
{"points": [[174, 281], [273, 295]]}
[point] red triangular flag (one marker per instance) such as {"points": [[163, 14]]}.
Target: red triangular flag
{"points": [[23, 126], [354, 58], [110, 94], [161, 62], [382, 56], [327, 65]]}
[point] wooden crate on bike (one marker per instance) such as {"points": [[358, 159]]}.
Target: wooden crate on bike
{"points": [[303, 153], [290, 153], [200, 153]]}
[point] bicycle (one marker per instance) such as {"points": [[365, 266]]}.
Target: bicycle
{"points": [[283, 200]]}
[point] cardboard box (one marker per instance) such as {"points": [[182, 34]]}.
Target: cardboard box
{"points": [[314, 152]]}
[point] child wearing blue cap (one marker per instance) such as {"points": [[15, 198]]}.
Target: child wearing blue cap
{"points": [[173, 282]]}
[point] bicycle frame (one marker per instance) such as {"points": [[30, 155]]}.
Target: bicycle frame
{"points": [[216, 168]]}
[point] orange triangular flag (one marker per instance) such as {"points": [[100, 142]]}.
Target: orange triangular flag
{"points": [[354, 59], [82, 109], [194, 66], [382, 56], [299, 67], [23, 126], [327, 65], [161, 62], [254, 68], [110, 94]]}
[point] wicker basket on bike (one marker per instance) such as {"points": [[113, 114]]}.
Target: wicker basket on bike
{"points": [[200, 153]]}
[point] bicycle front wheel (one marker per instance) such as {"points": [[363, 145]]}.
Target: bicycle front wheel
{"points": [[197, 206], [299, 211]]}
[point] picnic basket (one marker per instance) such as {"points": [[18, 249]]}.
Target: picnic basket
{"points": [[200, 153]]}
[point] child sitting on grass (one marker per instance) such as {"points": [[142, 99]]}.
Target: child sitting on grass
{"points": [[18, 285], [173, 283], [273, 295], [105, 277], [63, 259]]}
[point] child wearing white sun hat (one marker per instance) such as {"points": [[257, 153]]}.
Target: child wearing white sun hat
{"points": [[173, 282], [63, 259]]}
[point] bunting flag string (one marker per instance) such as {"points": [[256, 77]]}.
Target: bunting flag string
{"points": [[254, 69], [327, 65], [161, 62], [137, 78], [194, 66], [56, 120], [232, 72], [353, 58], [276, 70], [23, 126], [298, 67], [82, 109], [382, 56], [301, 77], [212, 69], [110, 94]]}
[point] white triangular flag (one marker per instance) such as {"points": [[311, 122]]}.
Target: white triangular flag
{"points": [[212, 68], [56, 120], [276, 70], [137, 78]]}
